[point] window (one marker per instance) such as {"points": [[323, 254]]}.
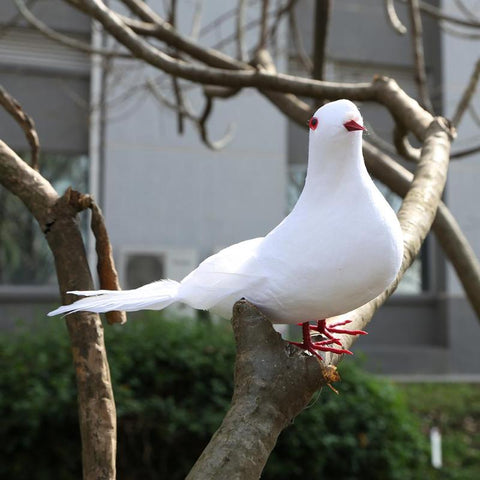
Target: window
{"points": [[25, 258]]}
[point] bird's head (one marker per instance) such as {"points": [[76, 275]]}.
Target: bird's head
{"points": [[336, 122]]}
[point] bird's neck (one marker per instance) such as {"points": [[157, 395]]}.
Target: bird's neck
{"points": [[333, 168]]}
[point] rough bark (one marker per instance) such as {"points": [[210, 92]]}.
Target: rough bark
{"points": [[57, 219], [274, 382], [270, 387]]}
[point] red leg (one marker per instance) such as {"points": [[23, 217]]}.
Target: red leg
{"points": [[326, 331]]}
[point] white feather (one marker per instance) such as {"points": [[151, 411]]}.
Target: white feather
{"points": [[153, 296], [340, 247]]}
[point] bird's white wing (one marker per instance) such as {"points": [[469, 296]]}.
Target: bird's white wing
{"points": [[230, 273]]}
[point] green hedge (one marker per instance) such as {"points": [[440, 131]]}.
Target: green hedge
{"points": [[173, 383]]}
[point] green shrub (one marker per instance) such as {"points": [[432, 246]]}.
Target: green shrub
{"points": [[173, 383]]}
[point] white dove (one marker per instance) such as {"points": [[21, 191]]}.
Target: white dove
{"points": [[340, 247]]}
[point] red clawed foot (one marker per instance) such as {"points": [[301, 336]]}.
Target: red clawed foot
{"points": [[327, 331]]}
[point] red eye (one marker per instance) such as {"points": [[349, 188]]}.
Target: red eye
{"points": [[313, 123]]}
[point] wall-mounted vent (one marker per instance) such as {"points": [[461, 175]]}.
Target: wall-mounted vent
{"points": [[140, 265]]}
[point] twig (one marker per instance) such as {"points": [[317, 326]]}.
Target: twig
{"points": [[107, 272], [438, 14], [467, 95], [459, 34], [393, 19], [177, 90], [202, 125], [474, 114], [465, 10], [239, 30], [298, 43], [403, 146], [262, 38], [320, 35], [196, 21], [381, 90], [65, 39], [286, 9], [466, 152], [199, 121], [26, 124], [418, 54]]}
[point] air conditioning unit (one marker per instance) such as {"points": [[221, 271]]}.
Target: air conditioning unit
{"points": [[138, 265]]}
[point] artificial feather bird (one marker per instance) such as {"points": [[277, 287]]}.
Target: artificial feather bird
{"points": [[339, 248]]}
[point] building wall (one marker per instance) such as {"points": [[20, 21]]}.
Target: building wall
{"points": [[462, 193], [52, 84], [168, 189]]}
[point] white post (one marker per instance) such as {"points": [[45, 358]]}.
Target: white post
{"points": [[436, 447]]}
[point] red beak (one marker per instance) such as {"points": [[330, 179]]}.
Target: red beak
{"points": [[352, 126]]}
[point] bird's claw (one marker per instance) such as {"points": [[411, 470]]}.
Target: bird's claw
{"points": [[327, 331]]}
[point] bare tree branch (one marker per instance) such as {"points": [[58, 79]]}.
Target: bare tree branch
{"points": [[418, 54], [320, 36], [258, 412], [466, 152], [398, 179], [240, 32], [262, 38], [273, 383], [56, 218], [107, 272], [26, 124], [381, 90], [449, 234], [286, 9], [298, 43], [475, 116], [200, 121], [467, 95], [64, 39], [416, 216], [460, 34], [403, 146], [438, 14], [465, 10], [393, 19]]}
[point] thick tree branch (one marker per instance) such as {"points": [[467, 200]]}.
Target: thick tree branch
{"points": [[449, 234], [416, 215], [381, 90], [274, 382], [57, 219]]}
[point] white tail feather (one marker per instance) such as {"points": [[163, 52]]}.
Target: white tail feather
{"points": [[154, 296]]}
